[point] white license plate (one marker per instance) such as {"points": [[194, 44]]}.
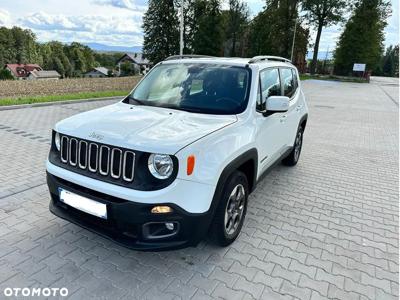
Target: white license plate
{"points": [[84, 204]]}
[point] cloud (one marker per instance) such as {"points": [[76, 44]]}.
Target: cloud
{"points": [[85, 28], [134, 5], [5, 18]]}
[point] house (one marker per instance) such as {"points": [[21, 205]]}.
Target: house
{"points": [[98, 72], [43, 75], [22, 71], [141, 64]]}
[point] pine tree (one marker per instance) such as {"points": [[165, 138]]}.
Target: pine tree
{"points": [[207, 37], [161, 30], [363, 36]]}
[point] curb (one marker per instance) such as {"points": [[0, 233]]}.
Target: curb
{"points": [[21, 106]]}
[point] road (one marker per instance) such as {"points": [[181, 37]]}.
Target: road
{"points": [[327, 228]]}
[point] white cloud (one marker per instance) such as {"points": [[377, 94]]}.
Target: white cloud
{"points": [[5, 18], [134, 5], [115, 30]]}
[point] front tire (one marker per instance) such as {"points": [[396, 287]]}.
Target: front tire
{"points": [[231, 211], [294, 155]]}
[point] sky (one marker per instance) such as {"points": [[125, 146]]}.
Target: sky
{"points": [[118, 22]]}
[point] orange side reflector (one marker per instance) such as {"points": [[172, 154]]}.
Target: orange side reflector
{"points": [[190, 164]]}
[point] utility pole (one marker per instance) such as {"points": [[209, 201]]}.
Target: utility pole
{"points": [[294, 39], [181, 30]]}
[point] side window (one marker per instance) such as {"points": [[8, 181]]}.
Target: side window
{"points": [[270, 83], [288, 82]]}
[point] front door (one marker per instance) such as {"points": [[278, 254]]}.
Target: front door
{"points": [[269, 137]]}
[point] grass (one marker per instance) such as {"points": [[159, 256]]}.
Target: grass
{"points": [[62, 97], [332, 78]]}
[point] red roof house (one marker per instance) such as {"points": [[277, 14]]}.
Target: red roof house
{"points": [[21, 71]]}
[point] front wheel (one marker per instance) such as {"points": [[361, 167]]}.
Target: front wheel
{"points": [[231, 210], [294, 155]]}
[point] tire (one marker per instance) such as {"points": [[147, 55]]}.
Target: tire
{"points": [[294, 155], [229, 215]]}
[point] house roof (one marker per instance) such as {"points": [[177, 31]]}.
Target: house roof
{"points": [[136, 58], [22, 70], [45, 74], [102, 70]]}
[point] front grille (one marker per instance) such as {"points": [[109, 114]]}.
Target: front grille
{"points": [[100, 159]]}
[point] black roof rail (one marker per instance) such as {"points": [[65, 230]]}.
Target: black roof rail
{"points": [[256, 59], [187, 56]]}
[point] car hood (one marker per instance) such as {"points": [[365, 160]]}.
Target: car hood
{"points": [[143, 128]]}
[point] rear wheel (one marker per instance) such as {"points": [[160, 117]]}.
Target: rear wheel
{"points": [[293, 157], [231, 210]]}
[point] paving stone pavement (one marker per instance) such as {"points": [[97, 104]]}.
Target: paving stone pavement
{"points": [[327, 228]]}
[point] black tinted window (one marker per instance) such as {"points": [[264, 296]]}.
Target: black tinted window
{"points": [[270, 83], [288, 81]]}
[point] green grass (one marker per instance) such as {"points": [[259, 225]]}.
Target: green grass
{"points": [[62, 97], [332, 78]]}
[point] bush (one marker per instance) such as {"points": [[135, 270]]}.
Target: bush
{"points": [[6, 75]]}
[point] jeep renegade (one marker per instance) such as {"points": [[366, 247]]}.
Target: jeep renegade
{"points": [[179, 156]]}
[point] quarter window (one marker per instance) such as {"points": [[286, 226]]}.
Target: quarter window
{"points": [[288, 82]]}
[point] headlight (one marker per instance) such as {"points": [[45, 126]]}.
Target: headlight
{"points": [[161, 166], [57, 141]]}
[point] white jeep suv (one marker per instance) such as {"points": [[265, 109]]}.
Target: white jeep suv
{"points": [[178, 157]]}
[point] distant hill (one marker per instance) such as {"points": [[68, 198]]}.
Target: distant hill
{"points": [[107, 48]]}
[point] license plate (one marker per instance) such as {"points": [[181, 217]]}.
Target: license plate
{"points": [[83, 204]]}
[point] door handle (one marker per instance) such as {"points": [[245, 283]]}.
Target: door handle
{"points": [[299, 107], [283, 118]]}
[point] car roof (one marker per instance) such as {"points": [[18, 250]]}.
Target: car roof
{"points": [[232, 61]]}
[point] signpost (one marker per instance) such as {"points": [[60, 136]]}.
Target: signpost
{"points": [[360, 69]]}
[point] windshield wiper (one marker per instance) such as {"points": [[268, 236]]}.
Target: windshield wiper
{"points": [[135, 100]]}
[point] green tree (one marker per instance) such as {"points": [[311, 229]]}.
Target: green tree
{"points": [[390, 62], [363, 36], [235, 21], [321, 14], [272, 30], [208, 35], [161, 30]]}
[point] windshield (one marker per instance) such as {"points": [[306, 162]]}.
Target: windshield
{"points": [[195, 87]]}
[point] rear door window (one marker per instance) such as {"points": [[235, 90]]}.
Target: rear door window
{"points": [[288, 82]]}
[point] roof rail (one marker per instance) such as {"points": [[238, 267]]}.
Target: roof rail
{"points": [[187, 56], [256, 59]]}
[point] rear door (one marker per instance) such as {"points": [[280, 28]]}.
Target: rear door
{"points": [[290, 120]]}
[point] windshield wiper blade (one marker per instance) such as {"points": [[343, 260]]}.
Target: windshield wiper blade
{"points": [[135, 100]]}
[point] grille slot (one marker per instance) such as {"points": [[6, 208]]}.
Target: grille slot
{"points": [[128, 167], [64, 149], [73, 152], [105, 160]]}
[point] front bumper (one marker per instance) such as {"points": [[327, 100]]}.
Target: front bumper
{"points": [[128, 222]]}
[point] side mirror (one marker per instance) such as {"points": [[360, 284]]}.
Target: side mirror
{"points": [[277, 104]]}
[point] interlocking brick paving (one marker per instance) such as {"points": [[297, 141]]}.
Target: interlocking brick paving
{"points": [[327, 228]]}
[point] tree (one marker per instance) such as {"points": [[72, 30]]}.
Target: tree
{"points": [[235, 23], [363, 36], [161, 30], [321, 14], [207, 37], [272, 30]]}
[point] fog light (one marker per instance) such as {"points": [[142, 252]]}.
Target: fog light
{"points": [[170, 226], [161, 210]]}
